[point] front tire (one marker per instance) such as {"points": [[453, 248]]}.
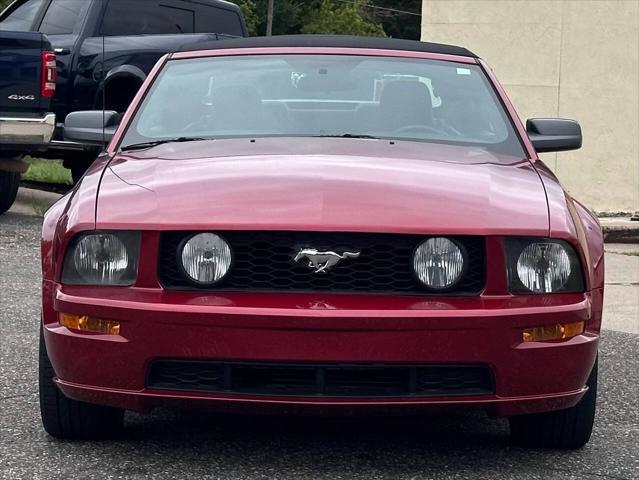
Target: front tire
{"points": [[69, 419], [9, 183], [567, 429]]}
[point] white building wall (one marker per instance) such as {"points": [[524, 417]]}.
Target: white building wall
{"points": [[566, 58]]}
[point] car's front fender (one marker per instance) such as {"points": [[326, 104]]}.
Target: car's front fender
{"points": [[73, 213]]}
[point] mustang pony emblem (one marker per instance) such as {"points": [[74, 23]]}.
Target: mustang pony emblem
{"points": [[323, 261]]}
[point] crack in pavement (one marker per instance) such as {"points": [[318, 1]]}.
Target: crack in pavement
{"points": [[11, 397]]}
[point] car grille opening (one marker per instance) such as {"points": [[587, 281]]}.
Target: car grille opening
{"points": [[331, 380], [264, 261]]}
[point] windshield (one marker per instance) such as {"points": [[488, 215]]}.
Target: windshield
{"points": [[324, 95]]}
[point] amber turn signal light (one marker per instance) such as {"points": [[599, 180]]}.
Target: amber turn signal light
{"points": [[84, 323], [559, 331]]}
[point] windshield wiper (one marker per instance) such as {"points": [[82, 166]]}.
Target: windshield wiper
{"points": [[347, 135], [144, 145]]}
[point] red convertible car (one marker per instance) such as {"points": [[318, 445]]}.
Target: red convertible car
{"points": [[321, 225]]}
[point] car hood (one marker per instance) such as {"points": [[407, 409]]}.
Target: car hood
{"points": [[323, 184]]}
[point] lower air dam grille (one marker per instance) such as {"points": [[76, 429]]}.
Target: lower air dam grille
{"points": [[330, 380]]}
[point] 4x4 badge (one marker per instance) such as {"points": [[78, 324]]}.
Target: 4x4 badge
{"points": [[15, 96]]}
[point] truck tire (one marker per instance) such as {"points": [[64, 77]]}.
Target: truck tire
{"points": [[78, 170], [566, 429], [79, 163], [9, 183], [69, 419], [120, 92]]}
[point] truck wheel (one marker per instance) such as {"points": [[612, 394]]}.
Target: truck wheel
{"points": [[569, 428], [9, 183], [69, 419]]}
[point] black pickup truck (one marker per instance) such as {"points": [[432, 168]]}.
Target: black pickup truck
{"points": [[106, 48], [27, 84]]}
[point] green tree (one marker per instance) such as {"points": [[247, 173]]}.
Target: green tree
{"points": [[400, 18], [288, 19], [4, 4], [342, 19], [293, 16], [249, 10]]}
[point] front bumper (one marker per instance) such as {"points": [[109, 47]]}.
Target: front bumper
{"points": [[27, 131], [339, 329]]}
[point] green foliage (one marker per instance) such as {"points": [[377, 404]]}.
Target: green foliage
{"points": [[289, 15], [4, 4], [326, 16], [47, 171], [248, 9], [396, 24], [342, 19]]}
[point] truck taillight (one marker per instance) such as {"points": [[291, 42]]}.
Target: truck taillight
{"points": [[49, 74]]}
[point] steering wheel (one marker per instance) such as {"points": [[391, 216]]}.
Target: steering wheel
{"points": [[420, 128]]}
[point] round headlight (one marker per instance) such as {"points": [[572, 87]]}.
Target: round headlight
{"points": [[101, 259], [543, 267], [206, 258], [438, 263]]}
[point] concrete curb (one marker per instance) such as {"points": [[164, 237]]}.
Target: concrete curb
{"points": [[33, 202], [620, 230]]}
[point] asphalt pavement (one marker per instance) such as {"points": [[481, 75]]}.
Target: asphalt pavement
{"points": [[175, 445]]}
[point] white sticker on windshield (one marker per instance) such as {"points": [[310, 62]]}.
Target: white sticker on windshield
{"points": [[463, 71]]}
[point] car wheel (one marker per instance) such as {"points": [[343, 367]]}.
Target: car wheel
{"points": [[69, 419], [9, 183], [569, 428]]}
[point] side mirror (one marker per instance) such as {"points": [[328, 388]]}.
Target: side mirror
{"points": [[95, 127], [554, 134]]}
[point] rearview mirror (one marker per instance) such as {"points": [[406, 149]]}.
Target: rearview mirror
{"points": [[95, 127], [554, 134]]}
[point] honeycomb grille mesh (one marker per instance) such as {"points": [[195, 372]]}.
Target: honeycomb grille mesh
{"points": [[264, 261]]}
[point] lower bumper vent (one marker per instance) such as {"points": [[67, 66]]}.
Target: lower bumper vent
{"points": [[331, 380]]}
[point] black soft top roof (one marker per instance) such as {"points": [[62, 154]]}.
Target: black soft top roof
{"points": [[337, 41]]}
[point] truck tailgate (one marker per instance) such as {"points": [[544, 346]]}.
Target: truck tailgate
{"points": [[20, 72]]}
